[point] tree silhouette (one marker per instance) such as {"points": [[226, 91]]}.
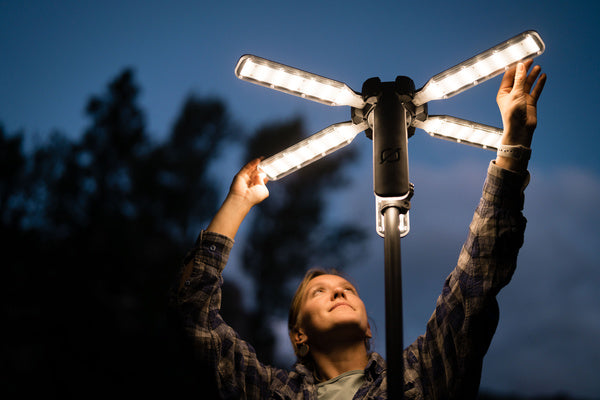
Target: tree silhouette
{"points": [[173, 183], [12, 171], [95, 229]]}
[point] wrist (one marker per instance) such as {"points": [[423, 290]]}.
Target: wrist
{"points": [[237, 202], [517, 136], [230, 216]]}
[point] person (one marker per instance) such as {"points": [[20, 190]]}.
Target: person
{"points": [[328, 323]]}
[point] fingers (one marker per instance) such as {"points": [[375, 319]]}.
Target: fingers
{"points": [[517, 78], [520, 77], [529, 81], [253, 174], [539, 86], [528, 63], [251, 166], [508, 80], [262, 178]]}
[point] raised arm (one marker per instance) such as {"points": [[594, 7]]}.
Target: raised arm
{"points": [[446, 361], [231, 361]]}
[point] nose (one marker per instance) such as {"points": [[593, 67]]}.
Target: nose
{"points": [[337, 292]]}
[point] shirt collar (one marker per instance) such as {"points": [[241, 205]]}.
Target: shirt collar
{"points": [[375, 367]]}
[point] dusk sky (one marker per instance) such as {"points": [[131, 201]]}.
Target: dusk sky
{"points": [[55, 55]]}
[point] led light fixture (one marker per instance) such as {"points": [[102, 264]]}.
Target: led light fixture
{"points": [[480, 68], [296, 82], [461, 131], [311, 149], [386, 116]]}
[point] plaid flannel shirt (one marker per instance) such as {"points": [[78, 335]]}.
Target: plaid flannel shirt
{"points": [[444, 363]]}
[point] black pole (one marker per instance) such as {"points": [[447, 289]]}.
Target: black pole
{"points": [[394, 340]]}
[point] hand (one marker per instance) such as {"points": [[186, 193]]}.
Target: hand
{"points": [[517, 102], [249, 184], [247, 189]]}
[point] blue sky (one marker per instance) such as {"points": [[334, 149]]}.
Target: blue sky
{"points": [[56, 54]]}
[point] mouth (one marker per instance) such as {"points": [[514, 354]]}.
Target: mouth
{"points": [[340, 305]]}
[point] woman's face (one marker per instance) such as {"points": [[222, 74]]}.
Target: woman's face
{"points": [[330, 304]]}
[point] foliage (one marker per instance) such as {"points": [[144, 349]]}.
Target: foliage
{"points": [[92, 232]]}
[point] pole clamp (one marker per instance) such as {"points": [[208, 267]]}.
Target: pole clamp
{"points": [[402, 203]]}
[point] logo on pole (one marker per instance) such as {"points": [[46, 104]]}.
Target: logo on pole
{"points": [[390, 155]]}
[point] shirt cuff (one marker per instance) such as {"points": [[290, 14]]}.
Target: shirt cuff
{"points": [[213, 249], [505, 188]]}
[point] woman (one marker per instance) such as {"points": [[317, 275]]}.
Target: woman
{"points": [[328, 323]]}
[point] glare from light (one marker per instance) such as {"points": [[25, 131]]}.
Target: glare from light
{"points": [[461, 131], [296, 82], [480, 68], [311, 149]]}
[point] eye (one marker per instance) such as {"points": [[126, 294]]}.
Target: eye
{"points": [[318, 291]]}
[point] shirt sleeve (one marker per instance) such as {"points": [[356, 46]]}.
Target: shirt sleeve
{"points": [[239, 374], [446, 362]]}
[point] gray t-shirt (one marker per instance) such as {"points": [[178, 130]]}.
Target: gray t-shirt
{"points": [[342, 387]]}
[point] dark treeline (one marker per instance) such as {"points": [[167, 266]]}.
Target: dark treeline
{"points": [[93, 230]]}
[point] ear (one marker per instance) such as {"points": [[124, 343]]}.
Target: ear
{"points": [[298, 336]]}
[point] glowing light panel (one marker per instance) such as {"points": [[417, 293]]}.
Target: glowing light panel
{"points": [[480, 68], [311, 149], [461, 131], [296, 82]]}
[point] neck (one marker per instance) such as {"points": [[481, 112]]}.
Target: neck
{"points": [[333, 360]]}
